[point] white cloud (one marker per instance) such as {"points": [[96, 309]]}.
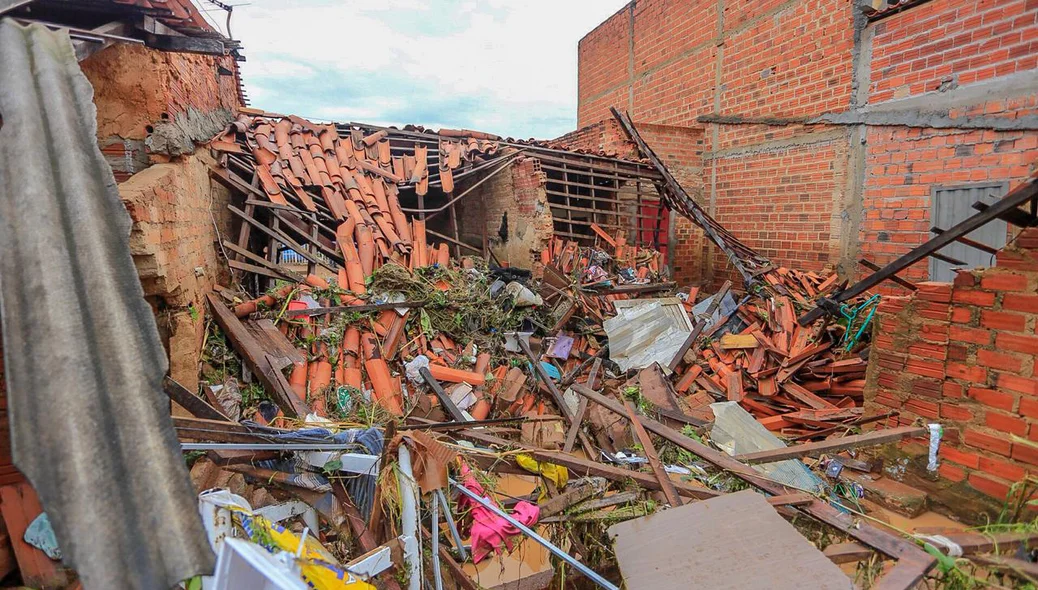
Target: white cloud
{"points": [[513, 65]]}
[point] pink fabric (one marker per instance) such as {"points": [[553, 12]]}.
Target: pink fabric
{"points": [[489, 531]]}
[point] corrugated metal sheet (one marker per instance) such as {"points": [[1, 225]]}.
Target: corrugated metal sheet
{"points": [[84, 365], [951, 205]]}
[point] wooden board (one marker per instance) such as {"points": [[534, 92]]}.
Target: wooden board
{"points": [[20, 507], [734, 541]]}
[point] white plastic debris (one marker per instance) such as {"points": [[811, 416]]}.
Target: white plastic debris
{"points": [[419, 362], [935, 444]]}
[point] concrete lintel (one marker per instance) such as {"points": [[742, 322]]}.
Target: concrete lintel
{"points": [[777, 144]]}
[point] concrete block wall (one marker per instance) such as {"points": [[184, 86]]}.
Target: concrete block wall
{"points": [[965, 354], [938, 93]]}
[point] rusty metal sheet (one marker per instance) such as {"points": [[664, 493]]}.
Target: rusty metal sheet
{"points": [[84, 366], [735, 541]]}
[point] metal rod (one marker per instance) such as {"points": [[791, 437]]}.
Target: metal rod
{"points": [[590, 573], [85, 34], [437, 577], [451, 524], [266, 447]]}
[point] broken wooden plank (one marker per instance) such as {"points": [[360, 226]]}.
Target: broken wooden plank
{"points": [[650, 453], [916, 559], [190, 402], [814, 449], [256, 359], [20, 506]]}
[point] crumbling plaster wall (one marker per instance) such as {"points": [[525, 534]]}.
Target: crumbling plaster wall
{"points": [[965, 354], [157, 102], [174, 241], [152, 109], [515, 207], [823, 195]]}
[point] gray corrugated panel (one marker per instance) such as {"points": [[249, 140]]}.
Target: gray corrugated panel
{"points": [[84, 365]]}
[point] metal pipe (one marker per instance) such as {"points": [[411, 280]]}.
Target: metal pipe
{"points": [[437, 578], [267, 447], [451, 524], [85, 34], [409, 519], [590, 573]]}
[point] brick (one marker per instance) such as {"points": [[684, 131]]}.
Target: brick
{"points": [[925, 368], [1018, 302], [956, 412], [990, 486], [1003, 282], [997, 320], [1026, 453], [1017, 383], [989, 442], [1017, 342], [964, 278], [951, 472], [971, 297], [951, 389], [961, 315], [964, 458], [1029, 407], [994, 399], [967, 372], [923, 408], [1006, 423], [971, 335], [1002, 469], [998, 360]]}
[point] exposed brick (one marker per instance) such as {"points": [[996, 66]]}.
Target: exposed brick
{"points": [[971, 335], [923, 408], [961, 315], [990, 486], [1017, 383], [1005, 423], [994, 399], [998, 360], [925, 368], [1018, 302], [956, 412], [971, 297], [1003, 282], [997, 320], [950, 471], [967, 372], [1002, 469], [989, 442], [1026, 453], [1017, 342], [1029, 407], [959, 456]]}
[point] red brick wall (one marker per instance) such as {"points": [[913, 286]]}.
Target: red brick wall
{"points": [[904, 165], [780, 203], [966, 355], [669, 62], [605, 136], [943, 44], [952, 41]]}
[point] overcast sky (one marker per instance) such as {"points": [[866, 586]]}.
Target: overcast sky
{"points": [[503, 66]]}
